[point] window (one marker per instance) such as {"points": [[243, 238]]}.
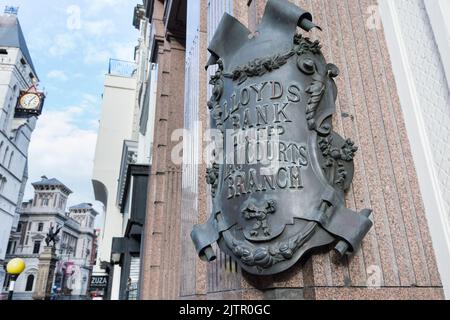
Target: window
{"points": [[6, 283], [68, 244], [23, 229], [19, 227], [22, 61], [29, 226], [30, 283], [10, 159], [45, 202], [9, 248], [5, 155], [61, 203], [40, 226], [2, 183], [37, 247], [3, 51]]}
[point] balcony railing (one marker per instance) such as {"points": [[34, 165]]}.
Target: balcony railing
{"points": [[122, 68]]}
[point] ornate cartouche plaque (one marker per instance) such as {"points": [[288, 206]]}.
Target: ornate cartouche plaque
{"points": [[280, 171]]}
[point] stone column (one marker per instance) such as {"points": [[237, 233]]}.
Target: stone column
{"points": [[46, 273], [161, 239]]}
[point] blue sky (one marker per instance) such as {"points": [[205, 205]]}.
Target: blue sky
{"points": [[70, 43]]}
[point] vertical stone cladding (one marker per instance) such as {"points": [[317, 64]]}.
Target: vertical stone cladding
{"points": [[161, 245], [396, 260]]}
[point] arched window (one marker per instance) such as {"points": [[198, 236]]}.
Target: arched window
{"points": [[10, 159], [30, 283], [6, 154]]}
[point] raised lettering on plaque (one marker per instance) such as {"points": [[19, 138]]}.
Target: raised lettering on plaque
{"points": [[280, 171]]}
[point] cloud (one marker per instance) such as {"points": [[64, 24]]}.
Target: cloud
{"points": [[62, 44], [89, 98], [99, 28], [123, 50], [96, 54], [61, 149], [58, 75], [96, 6]]}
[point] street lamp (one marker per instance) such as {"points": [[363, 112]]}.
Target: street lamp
{"points": [[14, 268]]}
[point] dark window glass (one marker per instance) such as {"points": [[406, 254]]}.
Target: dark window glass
{"points": [[30, 282], [40, 226], [37, 247], [19, 227], [8, 249], [6, 283]]}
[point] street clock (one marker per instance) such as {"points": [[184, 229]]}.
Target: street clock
{"points": [[30, 102]]}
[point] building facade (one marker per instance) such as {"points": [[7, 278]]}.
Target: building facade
{"points": [[116, 125], [406, 252], [17, 74], [122, 164], [76, 248]]}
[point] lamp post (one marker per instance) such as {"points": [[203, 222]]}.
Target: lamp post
{"points": [[14, 268]]}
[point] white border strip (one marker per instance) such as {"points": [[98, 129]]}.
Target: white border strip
{"points": [[434, 206]]}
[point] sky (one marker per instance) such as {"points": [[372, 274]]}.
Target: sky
{"points": [[71, 42]]}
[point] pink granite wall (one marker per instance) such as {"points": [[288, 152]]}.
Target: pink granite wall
{"points": [[161, 249], [396, 259]]}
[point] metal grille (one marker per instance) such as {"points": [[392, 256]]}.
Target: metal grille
{"points": [[122, 68]]}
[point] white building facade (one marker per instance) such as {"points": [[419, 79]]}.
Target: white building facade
{"points": [[116, 125], [17, 73], [75, 249]]}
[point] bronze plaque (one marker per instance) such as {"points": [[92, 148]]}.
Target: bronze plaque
{"points": [[280, 171]]}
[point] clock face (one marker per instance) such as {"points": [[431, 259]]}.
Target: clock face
{"points": [[30, 101]]}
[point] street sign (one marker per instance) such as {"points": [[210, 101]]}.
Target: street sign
{"points": [[99, 282]]}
